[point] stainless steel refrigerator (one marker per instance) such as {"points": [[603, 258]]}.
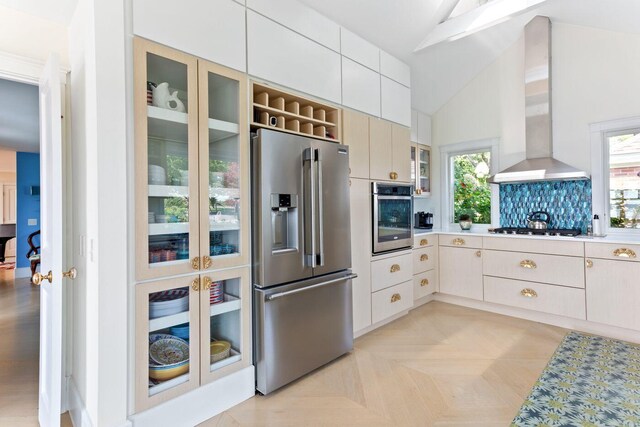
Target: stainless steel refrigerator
{"points": [[301, 256]]}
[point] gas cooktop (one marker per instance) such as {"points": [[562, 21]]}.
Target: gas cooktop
{"points": [[536, 232]]}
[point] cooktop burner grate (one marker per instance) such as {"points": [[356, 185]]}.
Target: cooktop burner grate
{"points": [[535, 232]]}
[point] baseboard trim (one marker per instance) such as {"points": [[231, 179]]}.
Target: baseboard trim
{"points": [[22, 272], [380, 324], [77, 410], [549, 319], [199, 405]]}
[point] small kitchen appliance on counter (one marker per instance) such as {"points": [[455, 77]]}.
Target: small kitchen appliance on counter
{"points": [[423, 220]]}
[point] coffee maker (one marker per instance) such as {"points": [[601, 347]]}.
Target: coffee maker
{"points": [[423, 220]]}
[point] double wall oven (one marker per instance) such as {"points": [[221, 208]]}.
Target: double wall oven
{"points": [[392, 216]]}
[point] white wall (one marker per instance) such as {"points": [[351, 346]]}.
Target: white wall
{"points": [[594, 74]]}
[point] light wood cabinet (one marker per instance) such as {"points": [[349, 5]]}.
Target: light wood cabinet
{"points": [[401, 145], [390, 271], [391, 301], [461, 272], [355, 134], [361, 251], [389, 151]]}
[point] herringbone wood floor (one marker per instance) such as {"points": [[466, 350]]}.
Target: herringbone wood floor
{"points": [[441, 365]]}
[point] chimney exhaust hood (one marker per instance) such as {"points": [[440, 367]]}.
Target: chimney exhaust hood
{"points": [[539, 164]]}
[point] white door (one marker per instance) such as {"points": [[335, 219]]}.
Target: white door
{"points": [[49, 407]]}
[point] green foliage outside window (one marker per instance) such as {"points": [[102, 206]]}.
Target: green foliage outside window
{"points": [[472, 194]]}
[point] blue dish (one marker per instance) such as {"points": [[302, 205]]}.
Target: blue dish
{"points": [[181, 331]]}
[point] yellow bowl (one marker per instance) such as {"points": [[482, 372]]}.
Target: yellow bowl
{"points": [[219, 350], [168, 374]]}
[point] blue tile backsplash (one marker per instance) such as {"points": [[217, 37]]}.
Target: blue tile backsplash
{"points": [[568, 203]]}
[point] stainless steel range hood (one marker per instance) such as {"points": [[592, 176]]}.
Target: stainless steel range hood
{"points": [[539, 164]]}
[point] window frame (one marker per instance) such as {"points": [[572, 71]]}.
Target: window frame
{"points": [[447, 152], [600, 169]]}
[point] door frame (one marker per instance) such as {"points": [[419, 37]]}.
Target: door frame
{"points": [[27, 70]]}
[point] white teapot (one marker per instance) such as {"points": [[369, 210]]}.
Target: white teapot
{"points": [[163, 99]]}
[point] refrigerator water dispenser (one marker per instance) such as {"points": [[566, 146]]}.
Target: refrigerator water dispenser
{"points": [[284, 222]]}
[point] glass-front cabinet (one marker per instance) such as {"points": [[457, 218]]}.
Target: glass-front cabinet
{"points": [[193, 305], [421, 169]]}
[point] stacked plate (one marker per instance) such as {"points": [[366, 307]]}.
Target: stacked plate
{"points": [[216, 292], [152, 217], [168, 357], [157, 175], [167, 303]]}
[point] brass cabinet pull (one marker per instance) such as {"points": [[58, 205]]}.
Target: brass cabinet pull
{"points": [[424, 242], [478, 254], [589, 263], [195, 263], [458, 241], [395, 268], [529, 293], [393, 175], [206, 283], [424, 282], [527, 263], [418, 191], [395, 297], [195, 284], [424, 257], [624, 253], [206, 262]]}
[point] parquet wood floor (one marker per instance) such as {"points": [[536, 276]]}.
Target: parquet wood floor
{"points": [[442, 365]]}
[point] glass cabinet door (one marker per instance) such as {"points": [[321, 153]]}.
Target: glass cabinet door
{"points": [[224, 167], [225, 321], [166, 166], [167, 339], [424, 170], [414, 154]]}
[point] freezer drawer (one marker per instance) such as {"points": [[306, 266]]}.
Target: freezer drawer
{"points": [[300, 327]]}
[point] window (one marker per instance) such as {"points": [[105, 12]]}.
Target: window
{"points": [[468, 167], [623, 150]]}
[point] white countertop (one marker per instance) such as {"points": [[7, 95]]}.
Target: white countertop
{"points": [[611, 238]]}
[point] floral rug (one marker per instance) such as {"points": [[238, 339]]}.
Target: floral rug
{"points": [[590, 381], [7, 266]]}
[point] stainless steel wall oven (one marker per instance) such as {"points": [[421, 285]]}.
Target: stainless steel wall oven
{"points": [[392, 216]]}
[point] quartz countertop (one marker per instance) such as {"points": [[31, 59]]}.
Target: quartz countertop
{"points": [[611, 238]]}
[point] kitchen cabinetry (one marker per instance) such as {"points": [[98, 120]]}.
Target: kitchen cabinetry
{"points": [[425, 264], [612, 284], [192, 212], [360, 87], [392, 285], [461, 266], [420, 128], [388, 150], [395, 102], [360, 195], [355, 134], [421, 169]]}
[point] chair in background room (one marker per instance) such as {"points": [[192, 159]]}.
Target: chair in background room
{"points": [[34, 253]]}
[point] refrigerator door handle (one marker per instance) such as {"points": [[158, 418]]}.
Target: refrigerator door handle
{"points": [[309, 208], [308, 288], [320, 211]]}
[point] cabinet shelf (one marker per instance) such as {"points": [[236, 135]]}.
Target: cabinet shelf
{"points": [[230, 303], [157, 229], [166, 385], [288, 115], [221, 130], [167, 124], [233, 358], [183, 191], [165, 322], [308, 135]]}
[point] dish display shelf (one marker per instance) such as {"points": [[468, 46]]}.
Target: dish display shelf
{"points": [[276, 109], [421, 169]]}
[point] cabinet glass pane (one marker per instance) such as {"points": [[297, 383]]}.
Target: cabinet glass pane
{"points": [[224, 166], [424, 168], [225, 323], [169, 346], [168, 160], [413, 164]]}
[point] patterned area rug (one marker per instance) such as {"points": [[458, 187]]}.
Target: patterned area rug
{"points": [[590, 381], [7, 266]]}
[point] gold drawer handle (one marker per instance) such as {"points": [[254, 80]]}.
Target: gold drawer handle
{"points": [[206, 262], [424, 257], [395, 268], [529, 293], [624, 253], [424, 282], [206, 283], [393, 175], [458, 242], [424, 242], [527, 263], [418, 191], [478, 254], [195, 263], [195, 284], [589, 263], [395, 297]]}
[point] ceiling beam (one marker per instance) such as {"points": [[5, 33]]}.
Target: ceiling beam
{"points": [[485, 16]]}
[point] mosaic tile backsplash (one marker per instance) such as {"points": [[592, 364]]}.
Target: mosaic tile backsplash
{"points": [[568, 203]]}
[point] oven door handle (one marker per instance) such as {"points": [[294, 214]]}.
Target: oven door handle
{"points": [[379, 197], [308, 288]]}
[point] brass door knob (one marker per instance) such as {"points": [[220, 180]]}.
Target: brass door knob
{"points": [[71, 274], [38, 278]]}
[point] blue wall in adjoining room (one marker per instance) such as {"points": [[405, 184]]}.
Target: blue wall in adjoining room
{"points": [[567, 202], [27, 206]]}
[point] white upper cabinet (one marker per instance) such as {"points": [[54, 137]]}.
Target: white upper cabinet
{"points": [[301, 19], [414, 126], [211, 29], [396, 102], [359, 50], [395, 69], [282, 56], [360, 88], [424, 129]]}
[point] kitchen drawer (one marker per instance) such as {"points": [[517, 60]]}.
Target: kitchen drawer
{"points": [[553, 269], [391, 271], [541, 246], [425, 284], [617, 251], [425, 240], [390, 301], [461, 241], [424, 259], [551, 299]]}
